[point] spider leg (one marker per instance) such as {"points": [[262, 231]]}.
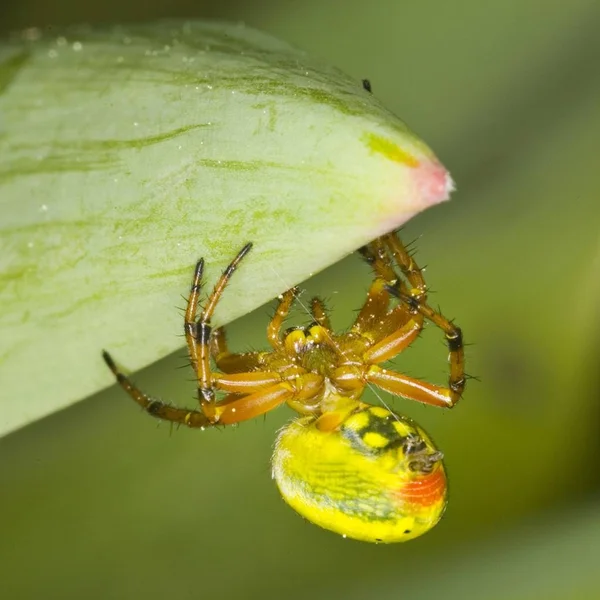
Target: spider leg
{"points": [[374, 308], [407, 265], [283, 309], [374, 321], [235, 408], [201, 357], [389, 332], [232, 409], [248, 362], [392, 333], [413, 389], [371, 319], [416, 300], [376, 256], [189, 323], [154, 407], [401, 337], [230, 362], [353, 379], [319, 313], [454, 339]]}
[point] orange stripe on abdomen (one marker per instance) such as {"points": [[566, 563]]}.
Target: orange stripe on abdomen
{"points": [[426, 490]]}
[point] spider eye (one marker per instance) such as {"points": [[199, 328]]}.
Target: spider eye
{"points": [[425, 463], [413, 444]]}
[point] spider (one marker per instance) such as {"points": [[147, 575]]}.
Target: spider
{"points": [[360, 470]]}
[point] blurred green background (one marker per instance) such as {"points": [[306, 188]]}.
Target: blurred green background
{"points": [[99, 502]]}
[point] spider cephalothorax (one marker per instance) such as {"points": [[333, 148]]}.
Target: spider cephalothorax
{"points": [[360, 470]]}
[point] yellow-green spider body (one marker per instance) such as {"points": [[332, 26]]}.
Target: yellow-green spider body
{"points": [[376, 477]]}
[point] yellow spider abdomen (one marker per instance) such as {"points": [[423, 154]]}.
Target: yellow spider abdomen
{"points": [[377, 477]]}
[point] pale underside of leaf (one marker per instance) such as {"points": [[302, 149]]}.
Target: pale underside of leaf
{"points": [[129, 152]]}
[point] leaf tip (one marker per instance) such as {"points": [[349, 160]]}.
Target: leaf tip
{"points": [[433, 183]]}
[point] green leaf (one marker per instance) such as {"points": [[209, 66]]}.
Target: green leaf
{"points": [[129, 152]]}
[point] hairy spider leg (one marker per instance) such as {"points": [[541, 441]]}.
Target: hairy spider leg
{"points": [[156, 408], [378, 255], [389, 331], [371, 319], [414, 302], [375, 321], [388, 345], [454, 339], [232, 409], [413, 389], [319, 313], [281, 313], [199, 349], [408, 266], [230, 362], [189, 323], [373, 310], [251, 392], [417, 301]]}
